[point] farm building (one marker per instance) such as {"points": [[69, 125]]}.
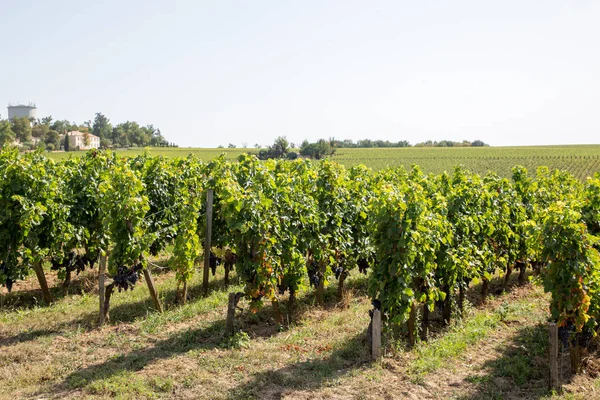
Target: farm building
{"points": [[83, 140]]}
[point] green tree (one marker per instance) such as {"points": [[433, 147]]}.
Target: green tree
{"points": [[154, 136], [7, 136], [280, 147], [22, 129], [130, 134], [53, 137], [102, 127], [40, 131], [317, 150], [118, 136], [63, 126]]}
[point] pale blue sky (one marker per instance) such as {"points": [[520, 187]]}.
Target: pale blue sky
{"points": [[210, 73]]}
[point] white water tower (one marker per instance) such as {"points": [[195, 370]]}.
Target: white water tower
{"points": [[22, 110]]}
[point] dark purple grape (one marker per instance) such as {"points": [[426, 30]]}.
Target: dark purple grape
{"points": [[585, 337], [213, 263], [126, 278], [564, 334], [363, 266]]}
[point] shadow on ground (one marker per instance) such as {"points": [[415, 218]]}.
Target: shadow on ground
{"points": [[32, 297], [86, 282], [27, 336], [119, 313], [312, 373], [521, 371], [208, 337], [306, 375]]}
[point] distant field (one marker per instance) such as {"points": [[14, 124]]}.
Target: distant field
{"points": [[581, 161]]}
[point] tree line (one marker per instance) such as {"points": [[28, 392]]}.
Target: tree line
{"points": [[49, 134], [282, 149], [324, 145]]}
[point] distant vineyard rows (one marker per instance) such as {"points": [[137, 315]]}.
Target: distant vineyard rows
{"points": [[580, 161]]}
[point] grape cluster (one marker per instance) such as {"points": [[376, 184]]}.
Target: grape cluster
{"points": [[230, 259], [73, 262], [156, 247], [126, 278], [314, 279], [281, 288], [7, 282], [585, 337], [314, 276], [568, 336], [564, 334], [90, 261], [213, 262], [338, 271], [79, 263], [66, 262], [363, 266], [376, 303]]}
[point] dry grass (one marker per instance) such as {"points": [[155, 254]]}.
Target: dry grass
{"points": [[497, 351]]}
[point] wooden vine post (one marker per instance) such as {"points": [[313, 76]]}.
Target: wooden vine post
{"points": [[39, 271], [230, 323], [575, 353], [509, 270], [376, 331], [485, 288], [277, 312], [553, 357], [522, 271], [341, 291], [207, 239], [152, 289], [101, 277]]}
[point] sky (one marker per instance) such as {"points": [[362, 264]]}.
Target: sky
{"points": [[209, 73]]}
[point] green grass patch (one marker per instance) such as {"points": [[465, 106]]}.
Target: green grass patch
{"points": [[124, 384], [434, 354]]}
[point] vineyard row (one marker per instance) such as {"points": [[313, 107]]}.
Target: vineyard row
{"points": [[422, 239]]}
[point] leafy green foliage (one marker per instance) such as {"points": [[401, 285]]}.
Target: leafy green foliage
{"points": [[123, 207], [187, 201], [407, 234], [572, 274], [33, 222], [591, 206], [425, 236]]}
